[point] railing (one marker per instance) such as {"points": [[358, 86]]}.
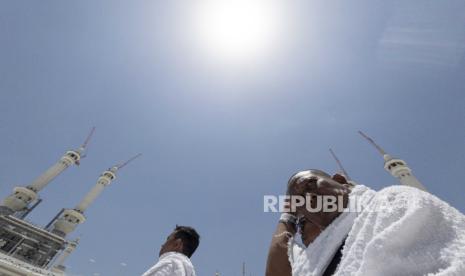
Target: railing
{"points": [[9, 262]]}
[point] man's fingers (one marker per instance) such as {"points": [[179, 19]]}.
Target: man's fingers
{"points": [[339, 178]]}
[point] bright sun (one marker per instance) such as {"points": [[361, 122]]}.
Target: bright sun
{"points": [[237, 30]]}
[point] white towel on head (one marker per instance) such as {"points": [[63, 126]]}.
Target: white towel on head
{"points": [[401, 231]]}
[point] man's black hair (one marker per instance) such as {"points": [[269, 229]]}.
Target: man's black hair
{"points": [[190, 239]]}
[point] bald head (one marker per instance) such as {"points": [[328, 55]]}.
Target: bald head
{"points": [[308, 173], [317, 183]]}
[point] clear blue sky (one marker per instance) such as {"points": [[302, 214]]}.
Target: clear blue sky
{"points": [[215, 138]]}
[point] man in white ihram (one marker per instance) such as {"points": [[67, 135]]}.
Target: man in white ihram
{"points": [[398, 231], [175, 254]]}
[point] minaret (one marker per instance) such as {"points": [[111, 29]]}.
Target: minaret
{"points": [[23, 196], [70, 218], [59, 262], [396, 167]]}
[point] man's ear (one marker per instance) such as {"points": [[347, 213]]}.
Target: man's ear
{"points": [[178, 245], [340, 179]]}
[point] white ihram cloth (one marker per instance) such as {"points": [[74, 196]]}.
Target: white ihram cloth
{"points": [[172, 264], [412, 233]]}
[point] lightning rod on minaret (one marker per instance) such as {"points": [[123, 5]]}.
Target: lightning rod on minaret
{"points": [[86, 142], [339, 164], [371, 141], [396, 167], [120, 166]]}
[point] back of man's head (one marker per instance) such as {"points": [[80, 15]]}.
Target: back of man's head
{"points": [[189, 237]]}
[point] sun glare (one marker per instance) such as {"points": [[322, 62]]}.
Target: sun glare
{"points": [[237, 30]]}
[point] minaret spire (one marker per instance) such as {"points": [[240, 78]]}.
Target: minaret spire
{"points": [[104, 180], [70, 218], [23, 196], [396, 167], [71, 157], [339, 164]]}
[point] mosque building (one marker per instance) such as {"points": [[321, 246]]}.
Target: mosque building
{"points": [[28, 249]]}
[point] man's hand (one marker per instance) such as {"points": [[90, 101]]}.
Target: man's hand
{"points": [[278, 262]]}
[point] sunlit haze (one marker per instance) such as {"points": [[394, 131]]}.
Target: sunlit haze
{"points": [[237, 30]]}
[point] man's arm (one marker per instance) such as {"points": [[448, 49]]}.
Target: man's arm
{"points": [[278, 260]]}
